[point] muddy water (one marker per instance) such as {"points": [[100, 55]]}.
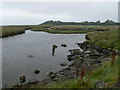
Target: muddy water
{"points": [[16, 52]]}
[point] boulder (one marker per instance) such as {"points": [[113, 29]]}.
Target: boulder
{"points": [[50, 73], [75, 52], [22, 79], [63, 45], [68, 68], [55, 79], [61, 73], [37, 71], [94, 56], [63, 64], [54, 46], [52, 76]]}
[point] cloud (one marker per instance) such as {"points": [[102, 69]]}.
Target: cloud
{"points": [[36, 13], [21, 16]]}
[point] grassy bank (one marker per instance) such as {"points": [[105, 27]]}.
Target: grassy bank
{"points": [[6, 31], [55, 29], [72, 29], [108, 39]]}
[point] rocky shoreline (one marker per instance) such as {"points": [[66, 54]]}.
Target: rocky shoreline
{"points": [[92, 56]]}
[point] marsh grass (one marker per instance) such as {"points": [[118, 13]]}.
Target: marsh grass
{"points": [[54, 29], [6, 31], [108, 39], [72, 29]]}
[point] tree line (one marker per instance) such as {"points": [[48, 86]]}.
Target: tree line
{"points": [[107, 22]]}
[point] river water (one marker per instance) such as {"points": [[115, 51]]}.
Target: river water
{"points": [[16, 51]]}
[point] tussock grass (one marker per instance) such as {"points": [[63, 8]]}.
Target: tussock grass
{"points": [[108, 39]]}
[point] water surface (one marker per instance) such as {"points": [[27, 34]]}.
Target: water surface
{"points": [[16, 51]]}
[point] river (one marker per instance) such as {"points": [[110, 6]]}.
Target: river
{"points": [[16, 51]]}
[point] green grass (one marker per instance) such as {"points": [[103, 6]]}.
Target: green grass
{"points": [[6, 31], [108, 39], [72, 29], [57, 29]]}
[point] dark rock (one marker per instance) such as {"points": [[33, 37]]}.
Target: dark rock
{"points": [[63, 64], [68, 68], [37, 71], [50, 73], [55, 79], [22, 79], [61, 73], [53, 49], [75, 52], [94, 56], [86, 37], [71, 65], [31, 56], [55, 46], [52, 76], [71, 58], [63, 45]]}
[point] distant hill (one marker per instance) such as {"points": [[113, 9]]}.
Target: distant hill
{"points": [[107, 22]]}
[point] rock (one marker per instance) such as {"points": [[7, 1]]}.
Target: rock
{"points": [[37, 71], [87, 52], [93, 61], [94, 56], [87, 37], [55, 79], [55, 46], [52, 76], [31, 56], [63, 45], [61, 73], [71, 65], [75, 52], [50, 73], [68, 68], [100, 85], [63, 64], [53, 49], [22, 79]]}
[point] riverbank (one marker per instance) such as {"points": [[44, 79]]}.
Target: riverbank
{"points": [[6, 31], [100, 73]]}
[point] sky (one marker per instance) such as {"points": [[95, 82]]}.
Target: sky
{"points": [[33, 13]]}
